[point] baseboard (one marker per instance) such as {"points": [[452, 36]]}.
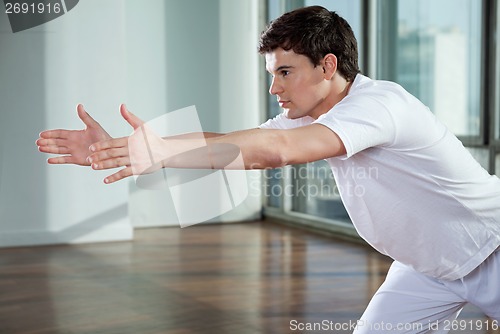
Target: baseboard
{"points": [[118, 231]]}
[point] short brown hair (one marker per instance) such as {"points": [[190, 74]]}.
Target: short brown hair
{"points": [[314, 32]]}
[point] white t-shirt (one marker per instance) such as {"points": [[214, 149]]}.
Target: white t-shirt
{"points": [[410, 187]]}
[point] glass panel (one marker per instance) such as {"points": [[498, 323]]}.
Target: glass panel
{"points": [[349, 10], [272, 178], [315, 192], [273, 190], [438, 58], [497, 165], [327, 202], [314, 189], [482, 155], [274, 9], [497, 85]]}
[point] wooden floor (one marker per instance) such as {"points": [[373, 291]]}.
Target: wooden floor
{"points": [[232, 278]]}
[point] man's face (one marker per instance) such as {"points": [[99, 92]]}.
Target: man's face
{"points": [[300, 88]]}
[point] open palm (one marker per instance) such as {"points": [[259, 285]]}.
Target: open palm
{"points": [[72, 146]]}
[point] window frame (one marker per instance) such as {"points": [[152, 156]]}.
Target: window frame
{"points": [[482, 139], [494, 74]]}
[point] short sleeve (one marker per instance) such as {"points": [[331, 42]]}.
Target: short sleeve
{"points": [[361, 122], [281, 122]]}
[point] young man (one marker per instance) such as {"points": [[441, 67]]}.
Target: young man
{"points": [[431, 206]]}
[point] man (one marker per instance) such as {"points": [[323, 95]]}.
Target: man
{"points": [[431, 206]]}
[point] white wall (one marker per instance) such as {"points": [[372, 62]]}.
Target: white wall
{"points": [[241, 72], [211, 62], [45, 72], [156, 58], [146, 46]]}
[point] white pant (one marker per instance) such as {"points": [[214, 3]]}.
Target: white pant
{"points": [[410, 302]]}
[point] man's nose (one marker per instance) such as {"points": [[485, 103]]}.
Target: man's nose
{"points": [[275, 88]]}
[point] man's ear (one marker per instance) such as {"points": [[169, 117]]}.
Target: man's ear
{"points": [[329, 64]]}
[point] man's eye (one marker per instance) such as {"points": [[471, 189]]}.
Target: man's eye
{"points": [[285, 73]]}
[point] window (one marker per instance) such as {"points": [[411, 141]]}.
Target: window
{"points": [[445, 52], [311, 188], [497, 165], [482, 155], [273, 187], [433, 49], [495, 91], [315, 192], [314, 189], [349, 10], [272, 178], [495, 65]]}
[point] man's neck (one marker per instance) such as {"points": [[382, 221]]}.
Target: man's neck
{"points": [[340, 89]]}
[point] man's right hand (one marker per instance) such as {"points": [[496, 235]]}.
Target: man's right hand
{"points": [[72, 146]]}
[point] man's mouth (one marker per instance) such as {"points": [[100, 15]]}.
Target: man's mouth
{"points": [[283, 103]]}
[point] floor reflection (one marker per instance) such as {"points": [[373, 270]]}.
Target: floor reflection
{"points": [[233, 278]]}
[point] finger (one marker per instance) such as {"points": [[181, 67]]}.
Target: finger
{"points": [[108, 154], [58, 133], [85, 117], [132, 119], [54, 149], [107, 144], [67, 159], [111, 163], [125, 172], [51, 142]]}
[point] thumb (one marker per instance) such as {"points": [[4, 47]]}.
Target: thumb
{"points": [[85, 117], [132, 119]]}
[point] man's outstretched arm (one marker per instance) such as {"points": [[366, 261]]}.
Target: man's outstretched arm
{"points": [[269, 148], [260, 149]]}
